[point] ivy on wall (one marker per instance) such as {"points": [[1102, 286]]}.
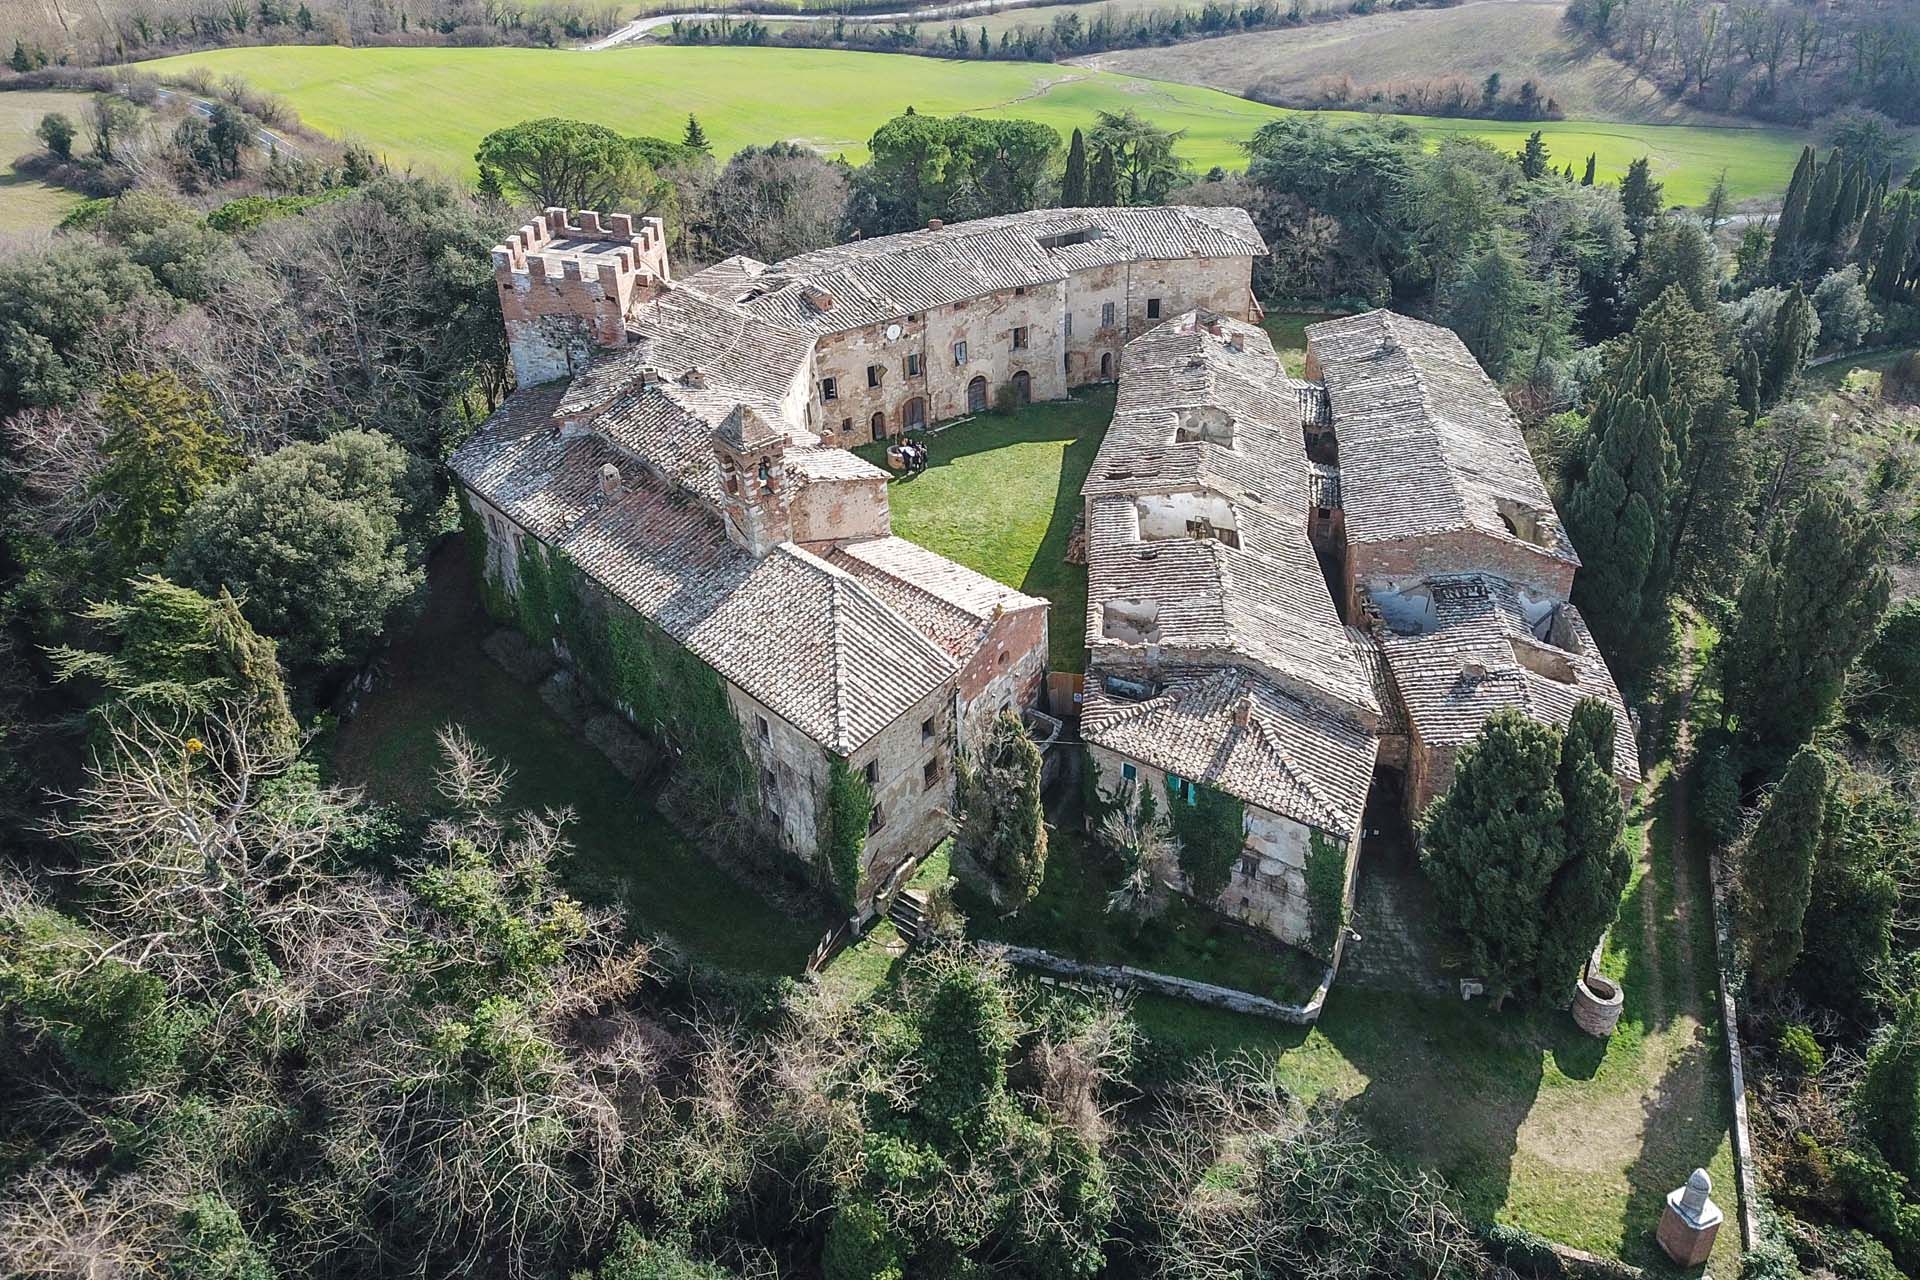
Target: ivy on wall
{"points": [[1211, 831], [844, 816], [494, 597], [1326, 875], [627, 660]]}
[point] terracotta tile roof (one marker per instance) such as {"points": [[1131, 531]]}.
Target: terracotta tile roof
{"points": [[1479, 646], [864, 282], [1237, 732], [951, 604], [1263, 603], [683, 329], [1427, 443], [808, 640], [827, 463]]}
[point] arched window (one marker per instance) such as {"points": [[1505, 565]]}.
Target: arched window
{"points": [[766, 471], [1106, 365]]}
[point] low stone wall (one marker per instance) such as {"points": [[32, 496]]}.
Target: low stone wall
{"points": [[1745, 1178], [1121, 975]]}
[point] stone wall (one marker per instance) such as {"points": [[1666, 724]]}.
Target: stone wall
{"points": [[1007, 672], [1268, 887], [1166, 984], [829, 511], [1180, 284], [912, 759], [1387, 567], [567, 284]]}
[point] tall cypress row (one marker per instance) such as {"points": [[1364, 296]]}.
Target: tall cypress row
{"points": [[1793, 214]]}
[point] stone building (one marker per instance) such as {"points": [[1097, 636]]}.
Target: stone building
{"points": [[677, 443], [1298, 588]]}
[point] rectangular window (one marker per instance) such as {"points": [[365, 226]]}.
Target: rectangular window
{"points": [[1020, 338], [877, 821], [930, 774], [873, 773], [1019, 291], [926, 729], [1106, 314], [846, 426], [913, 364], [873, 375], [766, 730], [1183, 788], [769, 784], [829, 389], [959, 353], [1153, 308], [1128, 773], [1249, 866]]}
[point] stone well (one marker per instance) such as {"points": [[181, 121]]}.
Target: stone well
{"points": [[1596, 1004]]}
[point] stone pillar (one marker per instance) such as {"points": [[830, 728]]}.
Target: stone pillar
{"points": [[1690, 1222]]}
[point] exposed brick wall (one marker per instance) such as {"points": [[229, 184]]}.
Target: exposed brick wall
{"points": [[830, 511], [1380, 565], [567, 284]]}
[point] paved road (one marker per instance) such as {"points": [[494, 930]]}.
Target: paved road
{"points": [[265, 137], [639, 27]]}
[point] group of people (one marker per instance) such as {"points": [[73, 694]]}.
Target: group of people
{"points": [[912, 456]]}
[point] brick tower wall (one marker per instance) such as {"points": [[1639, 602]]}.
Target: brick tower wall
{"points": [[567, 283]]}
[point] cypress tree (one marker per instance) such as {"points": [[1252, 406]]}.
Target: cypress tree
{"points": [[1073, 187], [1823, 203], [1640, 198], [1103, 184], [1808, 607], [1533, 156], [1584, 897], [1615, 513], [1714, 211], [1492, 844], [1795, 329], [1873, 230], [1586, 179], [1889, 1098], [1776, 869], [1793, 216], [1889, 270]]}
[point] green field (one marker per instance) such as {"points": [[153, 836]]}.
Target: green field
{"points": [[28, 205], [428, 108]]}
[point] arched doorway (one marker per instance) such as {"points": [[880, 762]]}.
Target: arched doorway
{"points": [[914, 415], [1106, 366], [878, 426], [1022, 387], [977, 396]]}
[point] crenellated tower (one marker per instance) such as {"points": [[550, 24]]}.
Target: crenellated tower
{"points": [[568, 282]]}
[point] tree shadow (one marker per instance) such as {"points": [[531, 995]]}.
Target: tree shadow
{"points": [[1685, 1123], [1448, 1084]]}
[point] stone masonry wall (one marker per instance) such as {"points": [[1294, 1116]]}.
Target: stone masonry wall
{"points": [[1007, 672], [1268, 888], [1218, 284], [1370, 565], [829, 511]]}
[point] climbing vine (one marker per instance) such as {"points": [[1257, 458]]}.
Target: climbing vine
{"points": [[494, 597], [1326, 874], [843, 828], [534, 598], [1211, 831]]}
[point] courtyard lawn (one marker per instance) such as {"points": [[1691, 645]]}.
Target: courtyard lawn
{"points": [[1856, 373], [429, 108], [624, 851], [1001, 495]]}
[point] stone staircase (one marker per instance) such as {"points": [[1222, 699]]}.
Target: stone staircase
{"points": [[909, 915]]}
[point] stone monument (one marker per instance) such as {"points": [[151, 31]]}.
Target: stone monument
{"points": [[1690, 1222]]}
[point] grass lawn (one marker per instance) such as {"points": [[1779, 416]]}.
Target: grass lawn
{"points": [[29, 206], [623, 848], [430, 107], [1001, 496], [1069, 917], [1856, 373]]}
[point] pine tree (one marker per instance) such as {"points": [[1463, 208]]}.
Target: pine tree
{"points": [[1776, 869], [1586, 179], [1795, 329], [21, 61], [164, 449], [1073, 186], [1492, 842], [695, 138], [1714, 211], [1793, 217], [1584, 897], [1533, 156], [1616, 515], [1808, 607], [1103, 184]]}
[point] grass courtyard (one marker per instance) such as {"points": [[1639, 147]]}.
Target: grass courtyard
{"points": [[29, 206], [429, 107], [1000, 495], [624, 850]]}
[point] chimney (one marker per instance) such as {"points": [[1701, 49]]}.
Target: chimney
{"points": [[694, 378], [1237, 342], [934, 224], [609, 480], [1243, 711]]}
